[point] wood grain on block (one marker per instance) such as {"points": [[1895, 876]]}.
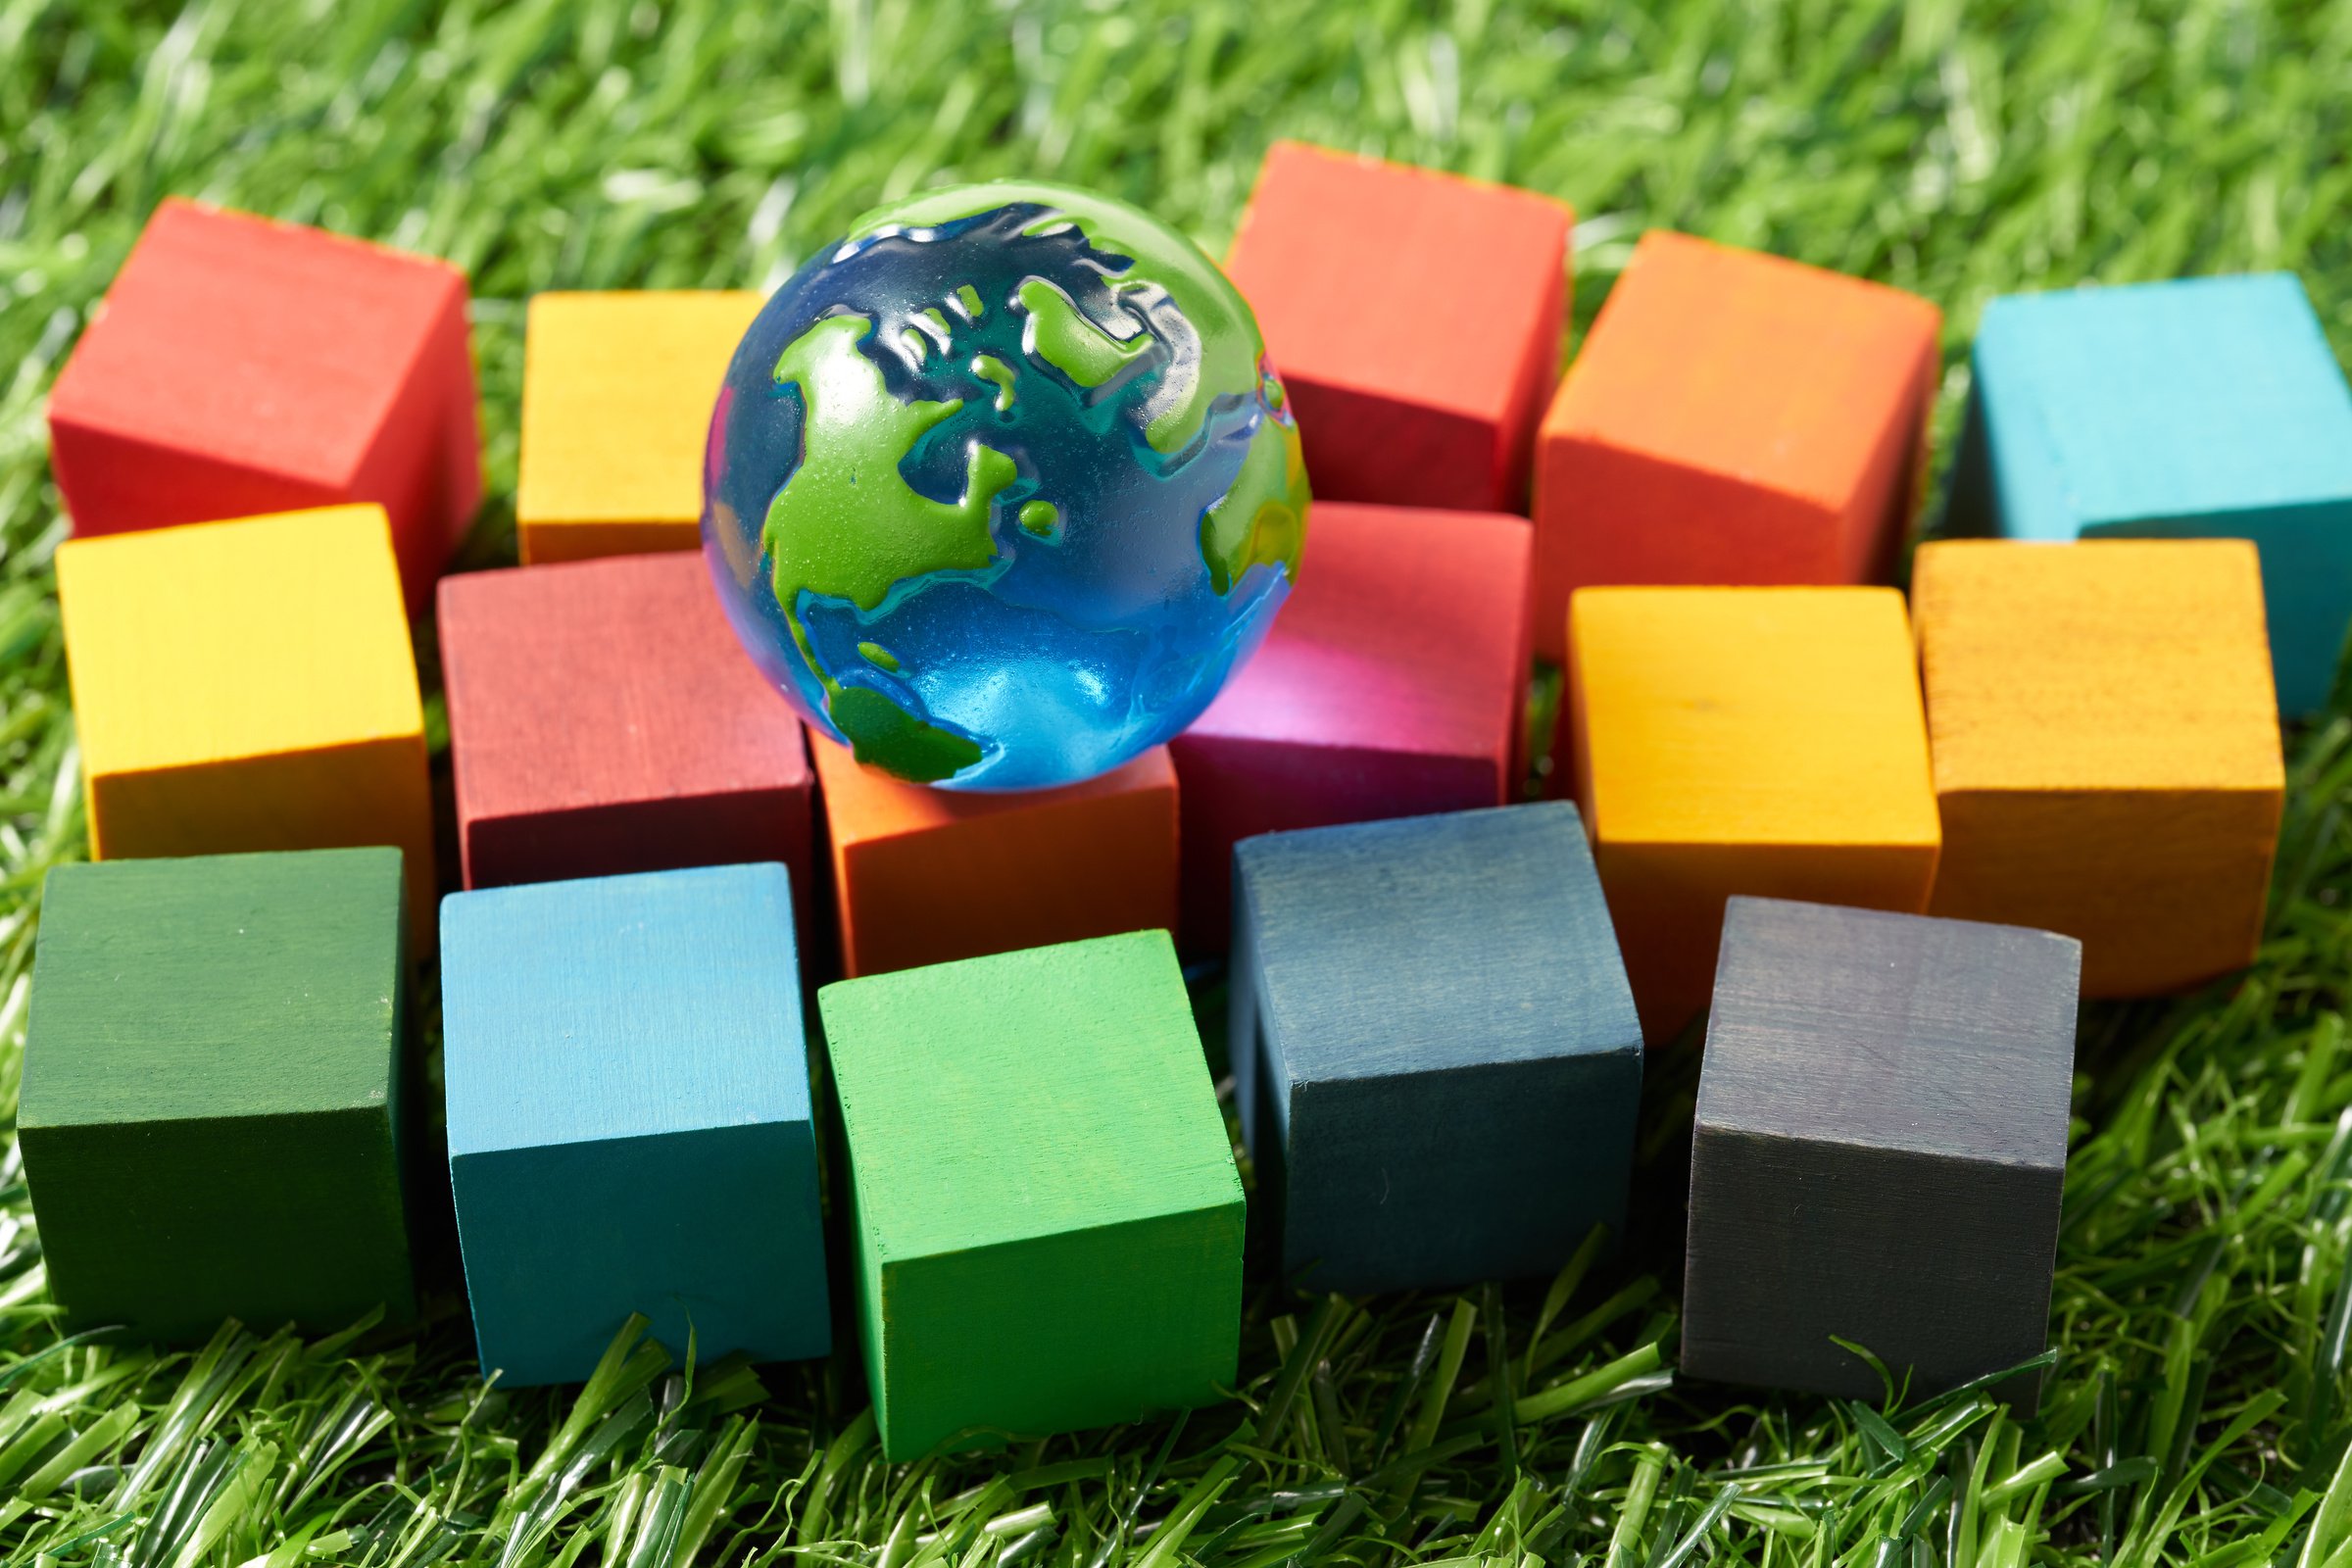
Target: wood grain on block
{"points": [[629, 1124], [1880, 1150], [2204, 408], [249, 685], [1415, 318], [925, 876], [1391, 685], [1744, 739], [1398, 982], [240, 366], [2106, 748], [616, 396], [211, 1111], [604, 720], [1048, 1222], [1732, 418]]}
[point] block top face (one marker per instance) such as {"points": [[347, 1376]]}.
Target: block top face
{"points": [[1405, 633], [616, 396], [1894, 1031], [256, 342], [586, 683], [221, 640], [1360, 273], [1751, 716], [622, 1007], [217, 986], [1026, 1095], [1692, 329], [1469, 939], [2156, 401], [2107, 664], [864, 804]]}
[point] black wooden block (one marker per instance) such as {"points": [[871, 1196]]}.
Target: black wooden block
{"points": [[1879, 1150]]}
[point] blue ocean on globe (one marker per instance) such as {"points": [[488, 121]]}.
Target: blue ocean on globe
{"points": [[1001, 488]]}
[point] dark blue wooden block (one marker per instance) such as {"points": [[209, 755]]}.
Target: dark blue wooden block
{"points": [[629, 1118], [1437, 1052], [1880, 1150]]}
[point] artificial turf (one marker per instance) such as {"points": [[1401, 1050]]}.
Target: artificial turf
{"points": [[2197, 1409]]}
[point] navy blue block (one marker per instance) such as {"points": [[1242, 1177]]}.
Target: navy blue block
{"points": [[1438, 1059]]}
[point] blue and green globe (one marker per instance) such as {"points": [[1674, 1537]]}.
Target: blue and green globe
{"points": [[1001, 488]]}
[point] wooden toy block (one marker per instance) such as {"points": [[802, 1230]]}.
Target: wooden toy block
{"points": [[1880, 1150], [1391, 685], [1415, 318], [2106, 748], [602, 719], [1397, 984], [1047, 1218], [629, 1124], [1743, 740], [240, 366], [1732, 418], [248, 685], [925, 876], [211, 1111], [2208, 406], [617, 396]]}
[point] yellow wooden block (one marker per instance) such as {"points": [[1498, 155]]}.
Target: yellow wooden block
{"points": [[1764, 741], [248, 685], [616, 396], [2106, 748]]}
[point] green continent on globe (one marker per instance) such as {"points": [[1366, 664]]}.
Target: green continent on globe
{"points": [[1263, 520], [846, 525]]}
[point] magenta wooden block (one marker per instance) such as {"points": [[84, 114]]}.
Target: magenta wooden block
{"points": [[1391, 685]]}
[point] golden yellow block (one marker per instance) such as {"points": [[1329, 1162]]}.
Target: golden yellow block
{"points": [[1765, 741], [616, 396], [2106, 747], [248, 685]]}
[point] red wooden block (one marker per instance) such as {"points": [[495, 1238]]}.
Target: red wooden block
{"points": [[1391, 685], [1415, 318], [602, 719], [240, 366]]}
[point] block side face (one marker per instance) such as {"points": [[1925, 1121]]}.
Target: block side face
{"points": [[121, 481], [168, 1227], [1059, 1333], [1387, 445], [562, 1242], [1942, 1038], [194, 989], [1382, 1192], [1025, 1095], [864, 804], [545, 542], [622, 1007], [639, 836], [1939, 1267]]}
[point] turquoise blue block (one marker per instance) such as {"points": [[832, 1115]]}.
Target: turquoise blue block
{"points": [[629, 1123], [2199, 409]]}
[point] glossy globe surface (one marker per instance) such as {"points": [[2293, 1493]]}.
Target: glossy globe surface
{"points": [[1000, 489]]}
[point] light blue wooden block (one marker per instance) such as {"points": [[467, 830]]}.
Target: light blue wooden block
{"points": [[2198, 409], [629, 1118], [1433, 1045]]}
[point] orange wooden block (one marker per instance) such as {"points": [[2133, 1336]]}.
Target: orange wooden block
{"points": [[1732, 418], [1415, 318], [925, 876], [2106, 748], [1765, 741]]}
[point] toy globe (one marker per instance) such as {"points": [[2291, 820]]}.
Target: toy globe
{"points": [[1001, 488]]}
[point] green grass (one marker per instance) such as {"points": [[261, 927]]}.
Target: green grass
{"points": [[2198, 1411]]}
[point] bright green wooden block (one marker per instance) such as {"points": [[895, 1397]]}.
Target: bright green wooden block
{"points": [[1048, 1219], [211, 1111]]}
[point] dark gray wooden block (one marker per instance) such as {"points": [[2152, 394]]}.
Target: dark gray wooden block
{"points": [[1437, 1058], [1879, 1150]]}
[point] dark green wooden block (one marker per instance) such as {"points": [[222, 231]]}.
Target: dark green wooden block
{"points": [[211, 1111]]}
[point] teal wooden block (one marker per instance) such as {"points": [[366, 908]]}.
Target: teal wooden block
{"points": [[211, 1115], [2204, 408], [629, 1118], [1048, 1222]]}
